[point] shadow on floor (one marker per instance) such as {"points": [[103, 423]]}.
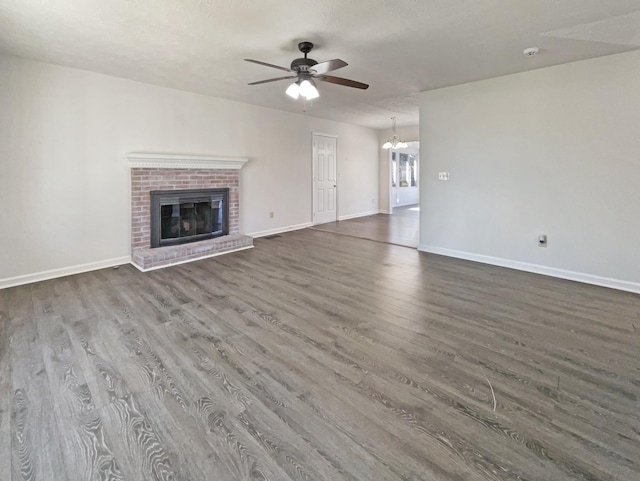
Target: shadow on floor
{"points": [[399, 228]]}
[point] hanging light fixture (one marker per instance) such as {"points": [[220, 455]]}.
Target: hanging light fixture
{"points": [[303, 87], [394, 142], [293, 90], [309, 90]]}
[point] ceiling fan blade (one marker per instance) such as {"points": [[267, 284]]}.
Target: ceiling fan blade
{"points": [[343, 81], [271, 80], [328, 66], [268, 65]]}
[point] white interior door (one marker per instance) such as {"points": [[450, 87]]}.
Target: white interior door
{"points": [[324, 179]]}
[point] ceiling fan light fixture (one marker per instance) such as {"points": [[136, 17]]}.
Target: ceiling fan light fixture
{"points": [[308, 90], [305, 70], [293, 90]]}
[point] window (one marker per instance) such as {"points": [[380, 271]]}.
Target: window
{"points": [[412, 171], [403, 171]]}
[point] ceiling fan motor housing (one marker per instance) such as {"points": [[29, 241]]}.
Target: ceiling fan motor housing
{"points": [[302, 64]]}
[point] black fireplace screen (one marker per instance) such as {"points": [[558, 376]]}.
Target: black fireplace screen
{"points": [[181, 216]]}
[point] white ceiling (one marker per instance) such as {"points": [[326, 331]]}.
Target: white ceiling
{"points": [[400, 47]]}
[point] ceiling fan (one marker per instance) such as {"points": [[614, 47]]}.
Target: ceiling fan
{"points": [[305, 71]]}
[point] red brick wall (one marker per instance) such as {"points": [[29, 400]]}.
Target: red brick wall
{"points": [[144, 181]]}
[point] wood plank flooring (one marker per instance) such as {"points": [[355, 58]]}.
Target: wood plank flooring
{"points": [[399, 228], [318, 356]]}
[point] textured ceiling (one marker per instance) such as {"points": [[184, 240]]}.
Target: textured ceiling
{"points": [[400, 47]]}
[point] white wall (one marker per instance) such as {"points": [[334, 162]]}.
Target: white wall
{"points": [[64, 184], [408, 134], [554, 151]]}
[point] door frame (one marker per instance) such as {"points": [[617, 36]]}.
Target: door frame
{"points": [[389, 186], [313, 172]]}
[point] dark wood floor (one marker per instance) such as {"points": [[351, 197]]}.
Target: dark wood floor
{"points": [[318, 356], [401, 228]]}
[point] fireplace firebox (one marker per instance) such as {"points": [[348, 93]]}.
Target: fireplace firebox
{"points": [[181, 216]]}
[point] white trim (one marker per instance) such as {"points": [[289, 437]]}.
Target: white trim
{"points": [[391, 189], [325, 135], [536, 269], [280, 230], [384, 212], [215, 254], [361, 214], [62, 272], [179, 161]]}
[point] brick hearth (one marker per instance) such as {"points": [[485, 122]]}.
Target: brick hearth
{"points": [[158, 177]]}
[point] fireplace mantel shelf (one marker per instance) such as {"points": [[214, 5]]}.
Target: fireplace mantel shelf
{"points": [[178, 161]]}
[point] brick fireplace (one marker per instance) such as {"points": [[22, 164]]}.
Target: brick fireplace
{"points": [[160, 172]]}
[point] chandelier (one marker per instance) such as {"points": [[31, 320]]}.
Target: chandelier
{"points": [[394, 142]]}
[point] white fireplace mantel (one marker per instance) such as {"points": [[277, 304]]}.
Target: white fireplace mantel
{"points": [[179, 161]]}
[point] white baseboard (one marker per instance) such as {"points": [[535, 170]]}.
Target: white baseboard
{"points": [[280, 230], [384, 212], [535, 268], [215, 254], [361, 214], [65, 271]]}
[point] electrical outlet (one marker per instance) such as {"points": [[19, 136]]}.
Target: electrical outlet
{"points": [[443, 176], [542, 240]]}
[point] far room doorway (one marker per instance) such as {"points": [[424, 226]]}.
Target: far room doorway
{"points": [[404, 166], [324, 179]]}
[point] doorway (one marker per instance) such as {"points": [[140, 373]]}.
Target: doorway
{"points": [[404, 165], [324, 154]]}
